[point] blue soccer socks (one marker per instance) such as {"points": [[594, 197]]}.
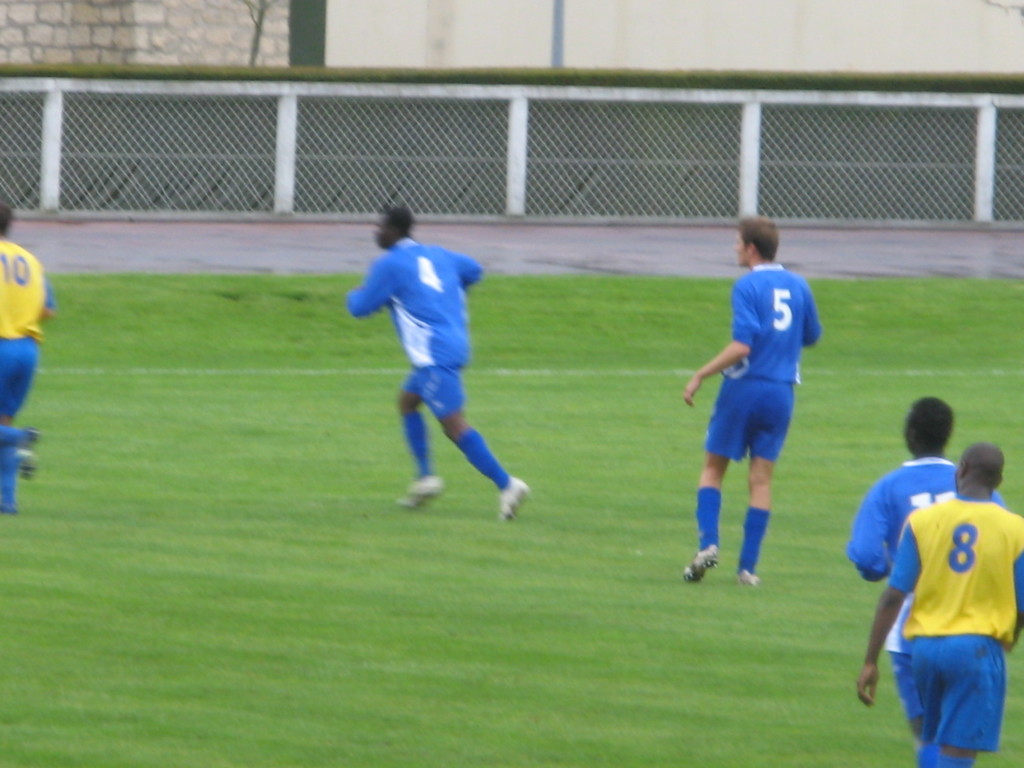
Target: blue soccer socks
{"points": [[709, 508], [8, 478], [754, 528], [16, 437], [947, 761], [415, 427], [928, 756], [472, 444]]}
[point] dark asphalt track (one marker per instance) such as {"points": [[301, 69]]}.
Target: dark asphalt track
{"points": [[324, 248]]}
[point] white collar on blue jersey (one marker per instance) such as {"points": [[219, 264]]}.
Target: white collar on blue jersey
{"points": [[768, 265], [926, 460]]}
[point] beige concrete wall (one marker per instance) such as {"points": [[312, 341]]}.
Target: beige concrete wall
{"points": [[775, 35], [438, 33], [186, 32]]}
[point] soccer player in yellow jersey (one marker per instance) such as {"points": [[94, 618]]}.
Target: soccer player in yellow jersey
{"points": [[964, 561], [25, 301]]}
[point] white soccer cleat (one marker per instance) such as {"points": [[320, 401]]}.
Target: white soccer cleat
{"points": [[747, 579], [706, 558], [512, 498], [28, 464], [421, 491]]}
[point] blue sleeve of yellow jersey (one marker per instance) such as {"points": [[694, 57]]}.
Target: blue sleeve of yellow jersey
{"points": [[1018, 582], [375, 292], [51, 300], [907, 568]]}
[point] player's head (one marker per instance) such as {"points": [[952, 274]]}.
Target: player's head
{"points": [[761, 233], [928, 427], [980, 470], [395, 223], [6, 215]]}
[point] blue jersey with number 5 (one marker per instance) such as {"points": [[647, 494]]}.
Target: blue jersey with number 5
{"points": [[774, 314], [424, 287], [964, 561]]}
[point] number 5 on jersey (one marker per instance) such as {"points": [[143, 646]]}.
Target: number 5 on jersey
{"points": [[782, 309]]}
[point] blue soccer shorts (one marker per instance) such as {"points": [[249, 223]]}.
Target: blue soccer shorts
{"points": [[902, 670], [962, 681], [751, 416], [18, 360], [440, 388]]}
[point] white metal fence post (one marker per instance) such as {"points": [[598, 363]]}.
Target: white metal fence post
{"points": [[985, 164], [750, 158], [518, 137], [49, 165], [284, 167]]}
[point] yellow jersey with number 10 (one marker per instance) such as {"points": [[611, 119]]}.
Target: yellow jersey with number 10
{"points": [[22, 293], [968, 550]]}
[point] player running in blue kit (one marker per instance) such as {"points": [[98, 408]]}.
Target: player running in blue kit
{"points": [[26, 299], [963, 560], [424, 288], [774, 318], [926, 479]]}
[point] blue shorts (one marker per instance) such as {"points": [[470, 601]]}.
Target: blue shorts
{"points": [[962, 680], [18, 360], [440, 388], [750, 416], [902, 670]]}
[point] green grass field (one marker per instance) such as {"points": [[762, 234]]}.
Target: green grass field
{"points": [[210, 569]]}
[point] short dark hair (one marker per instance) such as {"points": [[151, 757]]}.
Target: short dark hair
{"points": [[931, 422], [762, 233], [6, 215], [400, 219], [984, 461]]}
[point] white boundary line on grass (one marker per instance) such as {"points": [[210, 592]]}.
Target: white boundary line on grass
{"points": [[523, 372]]}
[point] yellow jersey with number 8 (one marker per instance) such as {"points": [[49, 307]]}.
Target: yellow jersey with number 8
{"points": [[968, 551]]}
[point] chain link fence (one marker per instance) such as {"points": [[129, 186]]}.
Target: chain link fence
{"points": [[907, 164], [466, 151], [624, 160], [439, 157], [1009, 190], [167, 153], [21, 148]]}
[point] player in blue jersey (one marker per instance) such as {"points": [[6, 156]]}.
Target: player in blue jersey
{"points": [[774, 318], [26, 299], [424, 288], [927, 478], [963, 559]]}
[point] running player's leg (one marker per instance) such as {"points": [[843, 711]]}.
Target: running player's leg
{"points": [[426, 484], [18, 359], [755, 524], [709, 498], [767, 429], [446, 398], [414, 427], [910, 698], [474, 447], [724, 443]]}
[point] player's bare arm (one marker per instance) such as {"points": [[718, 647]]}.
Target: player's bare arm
{"points": [[731, 354], [885, 616]]}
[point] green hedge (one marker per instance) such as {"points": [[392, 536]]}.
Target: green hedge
{"points": [[789, 81]]}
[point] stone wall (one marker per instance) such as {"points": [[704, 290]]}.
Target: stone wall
{"points": [[169, 32]]}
